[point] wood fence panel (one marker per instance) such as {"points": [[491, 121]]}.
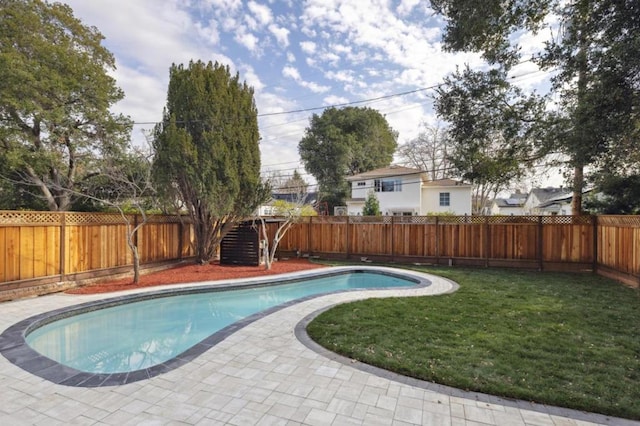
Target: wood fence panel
{"points": [[12, 254], [370, 238], [567, 243], [619, 243], [52, 251], [512, 241], [297, 238], [329, 237], [417, 240], [461, 240]]}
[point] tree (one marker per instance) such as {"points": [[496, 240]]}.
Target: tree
{"points": [[597, 71], [495, 130], [429, 151], [55, 95], [207, 151], [289, 213], [293, 185], [615, 194], [345, 142], [124, 184], [371, 205]]}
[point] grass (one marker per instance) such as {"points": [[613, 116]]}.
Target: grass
{"points": [[570, 340]]}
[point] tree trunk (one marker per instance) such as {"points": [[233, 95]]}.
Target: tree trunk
{"points": [[136, 265], [578, 183]]}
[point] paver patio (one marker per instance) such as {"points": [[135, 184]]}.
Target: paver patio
{"points": [[264, 374]]}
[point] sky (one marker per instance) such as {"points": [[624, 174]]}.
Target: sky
{"points": [[300, 56]]}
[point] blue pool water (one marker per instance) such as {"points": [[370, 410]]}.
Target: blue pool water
{"points": [[139, 335]]}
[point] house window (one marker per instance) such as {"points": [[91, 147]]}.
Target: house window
{"points": [[445, 199], [388, 185]]}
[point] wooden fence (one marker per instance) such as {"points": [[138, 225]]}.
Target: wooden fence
{"points": [[40, 247], [51, 247], [606, 244]]}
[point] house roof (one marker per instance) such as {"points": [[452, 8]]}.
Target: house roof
{"points": [[509, 202], [446, 183], [392, 170], [550, 193]]}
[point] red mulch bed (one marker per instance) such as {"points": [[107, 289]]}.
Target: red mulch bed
{"points": [[194, 273]]}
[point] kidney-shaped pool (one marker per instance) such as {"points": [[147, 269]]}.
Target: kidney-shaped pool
{"points": [[125, 339]]}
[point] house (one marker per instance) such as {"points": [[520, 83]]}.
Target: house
{"points": [[548, 201], [511, 206], [405, 191]]}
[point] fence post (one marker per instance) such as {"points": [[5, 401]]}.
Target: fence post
{"points": [[180, 237], [594, 218], [437, 241], [487, 242], [309, 235], [540, 242], [63, 245], [348, 237], [392, 239]]}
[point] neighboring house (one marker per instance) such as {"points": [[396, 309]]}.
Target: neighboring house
{"points": [[548, 201], [309, 198], [404, 191], [512, 206]]}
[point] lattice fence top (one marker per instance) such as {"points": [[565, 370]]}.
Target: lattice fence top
{"points": [[624, 221], [447, 219], [45, 218], [93, 218], [30, 218]]}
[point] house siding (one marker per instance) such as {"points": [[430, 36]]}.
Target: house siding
{"points": [[460, 200], [408, 199]]}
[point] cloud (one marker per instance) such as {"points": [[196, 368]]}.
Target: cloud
{"points": [[261, 12], [247, 39], [406, 6], [308, 47], [281, 34], [294, 74], [291, 72]]}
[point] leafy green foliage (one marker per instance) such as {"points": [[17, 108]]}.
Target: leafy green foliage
{"points": [[562, 339], [615, 194], [345, 142], [55, 95], [593, 53], [495, 132], [371, 205], [207, 152]]}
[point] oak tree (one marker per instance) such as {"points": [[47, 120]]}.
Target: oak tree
{"points": [[344, 142], [55, 99]]}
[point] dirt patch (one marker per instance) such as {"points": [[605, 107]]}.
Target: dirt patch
{"points": [[196, 273]]}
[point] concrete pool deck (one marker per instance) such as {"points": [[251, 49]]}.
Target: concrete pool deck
{"points": [[267, 373]]}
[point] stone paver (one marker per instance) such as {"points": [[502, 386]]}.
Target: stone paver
{"points": [[264, 374]]}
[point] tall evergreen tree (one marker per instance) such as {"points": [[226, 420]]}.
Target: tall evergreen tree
{"points": [[207, 152], [55, 96]]}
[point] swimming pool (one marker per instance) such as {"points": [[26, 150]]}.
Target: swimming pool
{"points": [[130, 338]]}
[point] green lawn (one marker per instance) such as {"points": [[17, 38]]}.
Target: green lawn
{"points": [[570, 340]]}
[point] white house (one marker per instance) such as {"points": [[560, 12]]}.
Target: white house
{"points": [[512, 206], [548, 201], [404, 191]]}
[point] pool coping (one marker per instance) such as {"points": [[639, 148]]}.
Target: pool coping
{"points": [[15, 349]]}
